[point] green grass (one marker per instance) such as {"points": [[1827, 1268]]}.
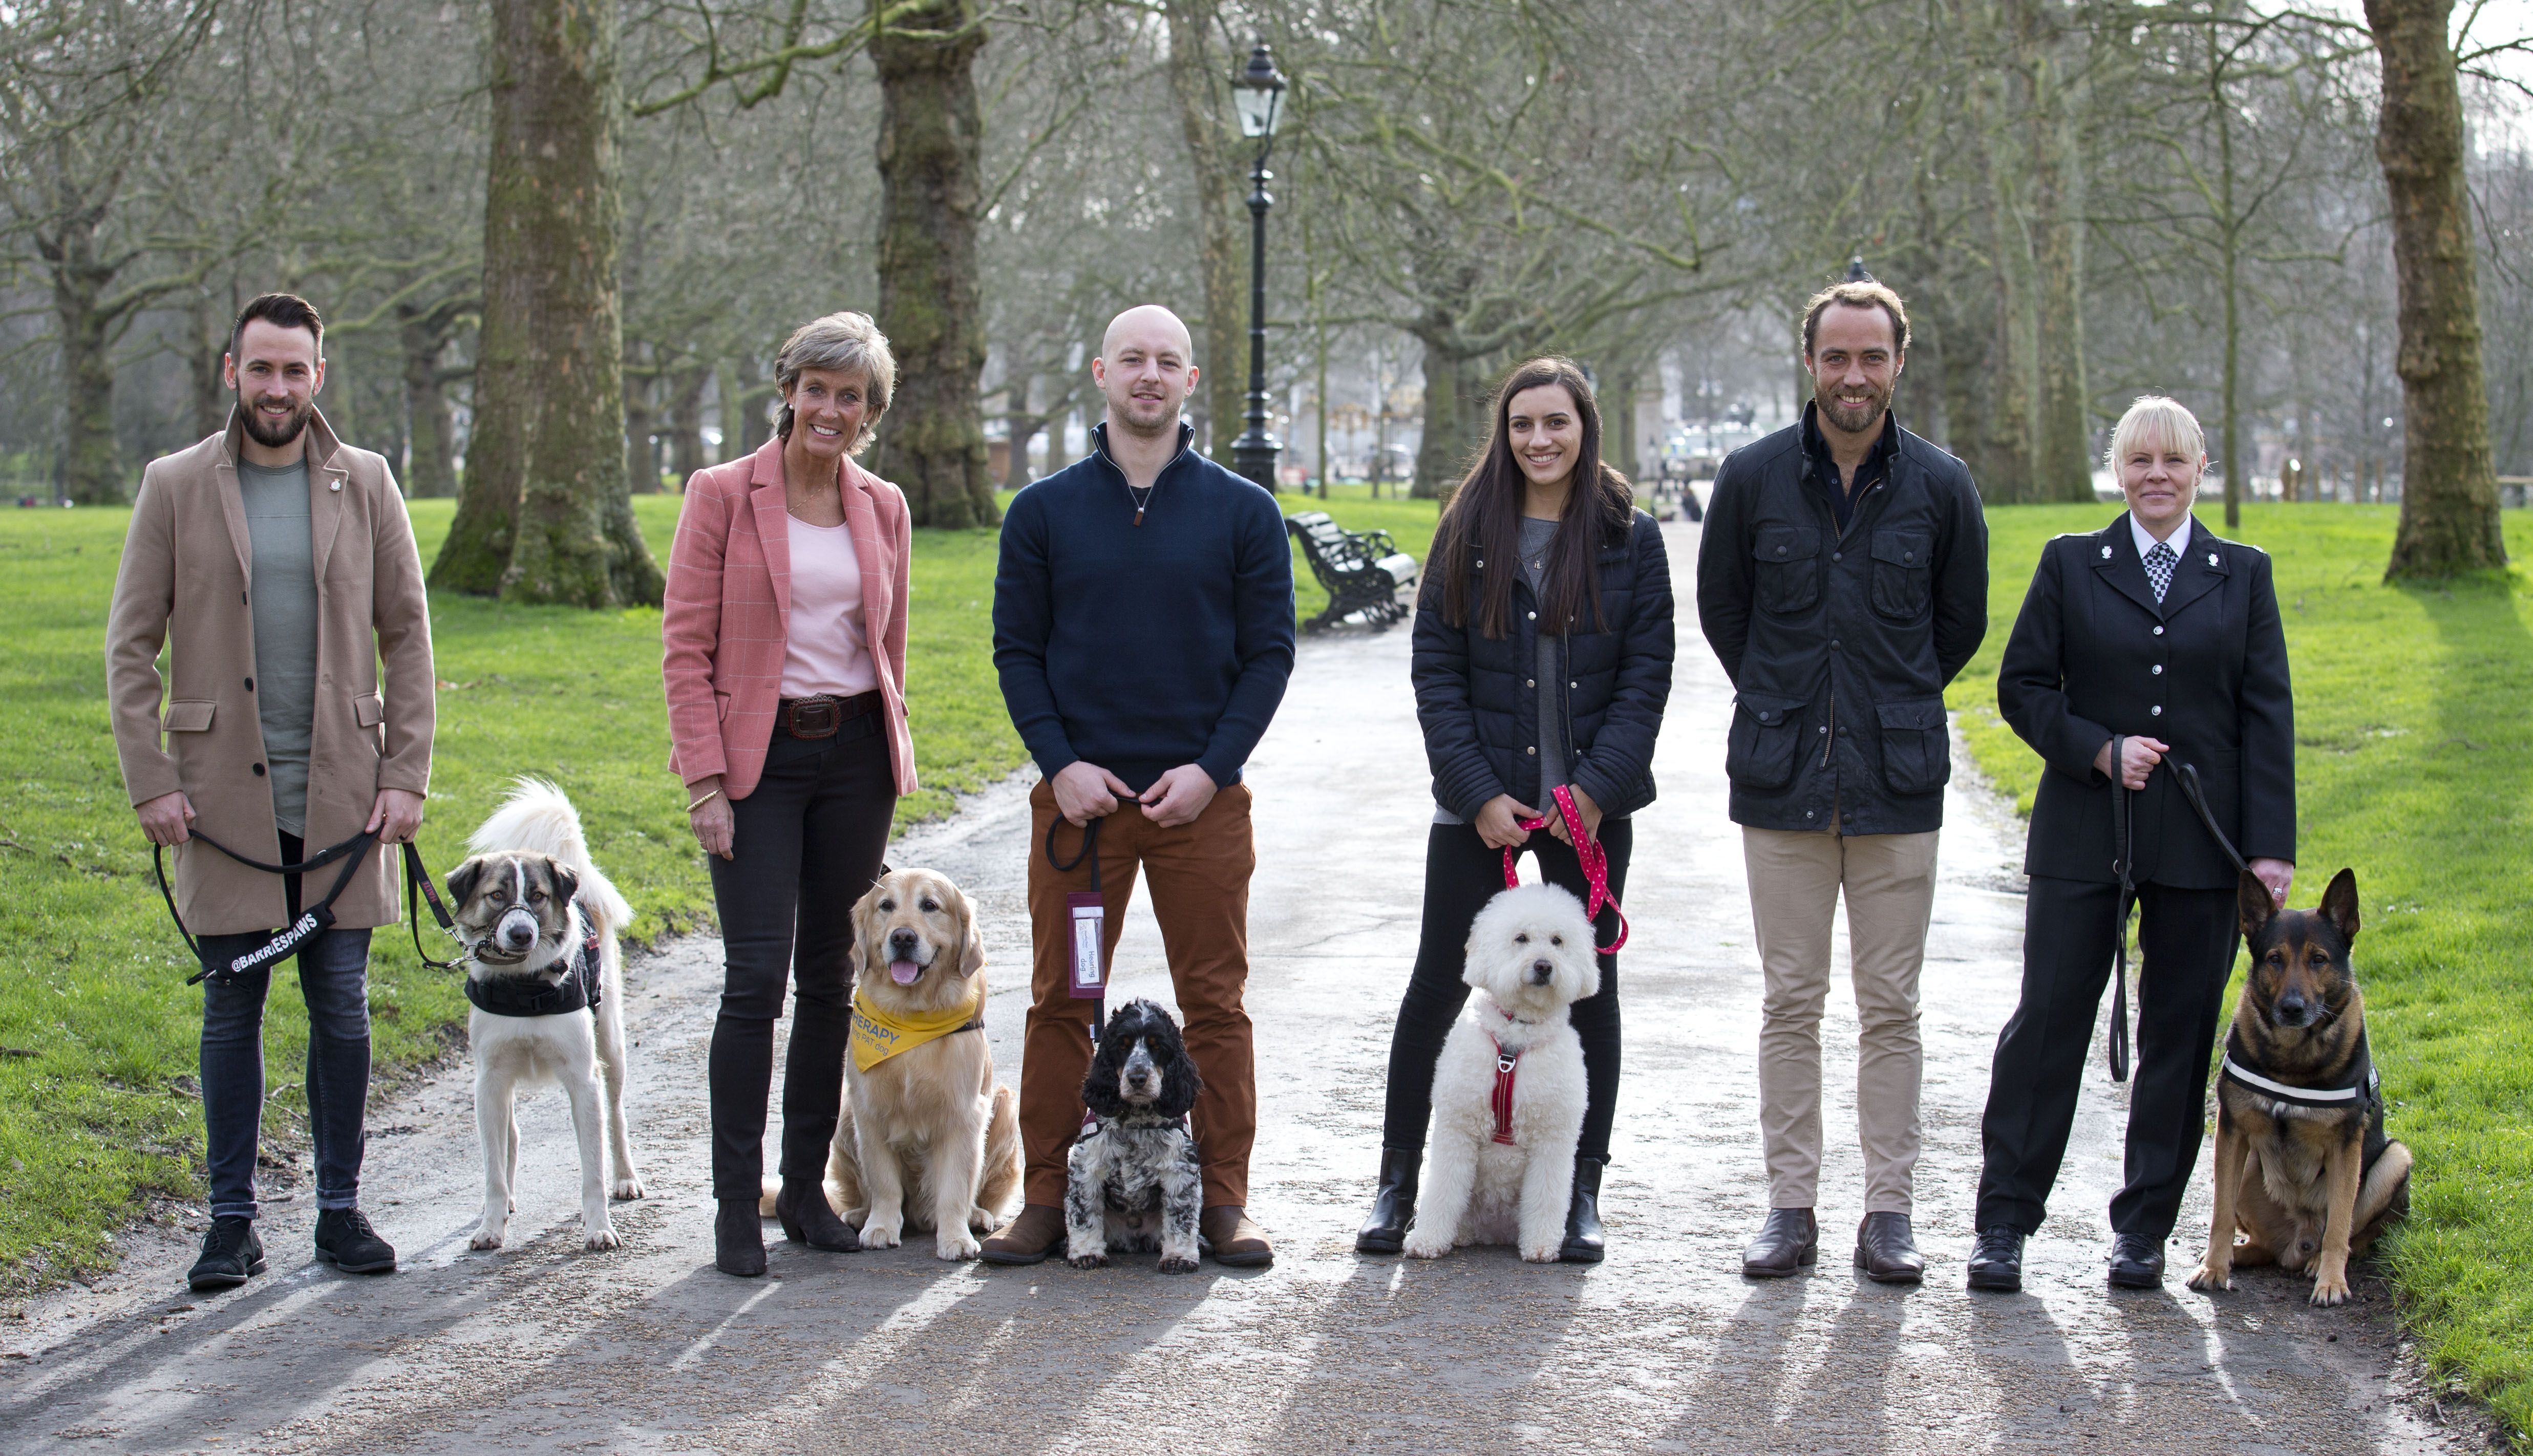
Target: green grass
{"points": [[99, 1106], [2414, 764]]}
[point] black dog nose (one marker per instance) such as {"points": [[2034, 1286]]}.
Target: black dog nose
{"points": [[516, 936], [902, 942], [1540, 971], [2294, 1011]]}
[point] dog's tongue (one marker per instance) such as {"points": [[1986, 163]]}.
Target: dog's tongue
{"points": [[904, 972]]}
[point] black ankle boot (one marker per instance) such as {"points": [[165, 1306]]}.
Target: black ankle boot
{"points": [[738, 1239], [1394, 1202], [802, 1208], [1583, 1215]]}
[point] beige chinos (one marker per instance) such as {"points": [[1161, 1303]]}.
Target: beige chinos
{"points": [[1795, 881]]}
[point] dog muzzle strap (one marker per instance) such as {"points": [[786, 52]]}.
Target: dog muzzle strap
{"points": [[1594, 859]]}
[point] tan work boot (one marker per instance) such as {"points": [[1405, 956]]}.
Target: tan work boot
{"points": [[1028, 1238], [1227, 1234]]}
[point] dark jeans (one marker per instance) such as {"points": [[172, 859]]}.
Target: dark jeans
{"points": [[2186, 938], [808, 844], [1461, 874], [334, 977]]}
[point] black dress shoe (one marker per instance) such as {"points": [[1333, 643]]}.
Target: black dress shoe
{"points": [[345, 1239], [2137, 1263], [802, 1207], [231, 1253], [1583, 1244], [1996, 1265], [1787, 1243], [739, 1238], [1887, 1251], [1394, 1202]]}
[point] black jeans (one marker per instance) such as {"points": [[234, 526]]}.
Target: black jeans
{"points": [[1461, 874], [808, 845], [334, 978], [2186, 938]]}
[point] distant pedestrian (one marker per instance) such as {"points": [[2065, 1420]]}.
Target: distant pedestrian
{"points": [[1842, 582], [1143, 631], [276, 564], [2155, 635], [785, 662], [1514, 707]]}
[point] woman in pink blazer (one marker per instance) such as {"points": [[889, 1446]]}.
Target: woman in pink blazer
{"points": [[785, 631]]}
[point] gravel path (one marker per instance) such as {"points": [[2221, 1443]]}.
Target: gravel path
{"points": [[1663, 1348]]}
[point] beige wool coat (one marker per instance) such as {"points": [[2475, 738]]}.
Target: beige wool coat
{"points": [[183, 583]]}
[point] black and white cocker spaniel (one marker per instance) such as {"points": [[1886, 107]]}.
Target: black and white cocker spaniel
{"points": [[1134, 1185]]}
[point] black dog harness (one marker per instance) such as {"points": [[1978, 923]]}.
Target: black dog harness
{"points": [[2360, 1086], [577, 986]]}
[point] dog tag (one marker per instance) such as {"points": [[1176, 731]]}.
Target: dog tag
{"points": [[1089, 975]]}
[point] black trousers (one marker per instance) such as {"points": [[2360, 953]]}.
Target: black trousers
{"points": [[808, 844], [1461, 874], [2186, 938]]}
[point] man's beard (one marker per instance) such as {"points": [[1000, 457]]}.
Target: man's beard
{"points": [[1855, 419], [271, 437], [1146, 416]]}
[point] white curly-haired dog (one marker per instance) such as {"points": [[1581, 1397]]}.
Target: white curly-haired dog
{"points": [[1508, 1089]]}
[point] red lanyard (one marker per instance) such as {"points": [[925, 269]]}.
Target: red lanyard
{"points": [[1596, 866]]}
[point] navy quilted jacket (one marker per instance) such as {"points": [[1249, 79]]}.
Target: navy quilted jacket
{"points": [[1481, 715]]}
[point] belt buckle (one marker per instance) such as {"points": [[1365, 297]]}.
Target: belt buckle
{"points": [[817, 717]]}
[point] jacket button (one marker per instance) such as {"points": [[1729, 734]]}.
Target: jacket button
{"points": [[1838, 556], [1825, 728], [250, 685], [1807, 813], [1530, 682], [1575, 686], [259, 767], [1533, 750], [1766, 717], [1780, 550], [1482, 564], [1533, 616], [2157, 710], [1833, 644], [2158, 669], [2159, 631], [1907, 557]]}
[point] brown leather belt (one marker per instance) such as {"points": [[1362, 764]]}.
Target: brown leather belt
{"points": [[821, 716]]}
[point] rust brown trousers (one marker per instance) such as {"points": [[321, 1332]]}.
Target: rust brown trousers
{"points": [[1200, 890]]}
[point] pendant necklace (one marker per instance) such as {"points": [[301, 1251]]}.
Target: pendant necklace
{"points": [[1141, 500]]}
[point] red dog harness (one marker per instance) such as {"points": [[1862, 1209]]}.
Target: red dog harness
{"points": [[1507, 1065], [1596, 871]]}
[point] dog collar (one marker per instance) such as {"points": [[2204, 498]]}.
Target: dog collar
{"points": [[2361, 1085], [579, 987]]}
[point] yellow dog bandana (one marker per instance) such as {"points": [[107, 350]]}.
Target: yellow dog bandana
{"points": [[879, 1034]]}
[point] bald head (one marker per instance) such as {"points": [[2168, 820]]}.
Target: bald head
{"points": [[1143, 371]]}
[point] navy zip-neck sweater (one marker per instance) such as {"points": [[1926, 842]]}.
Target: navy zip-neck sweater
{"points": [[1138, 647]]}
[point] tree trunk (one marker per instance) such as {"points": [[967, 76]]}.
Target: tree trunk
{"points": [[2062, 446], [2450, 520], [93, 472], [430, 463], [1196, 87], [641, 454], [1444, 451], [207, 346], [545, 516], [1618, 422], [686, 425], [932, 442]]}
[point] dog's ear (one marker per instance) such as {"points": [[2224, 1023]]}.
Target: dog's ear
{"points": [[971, 944], [2340, 903], [865, 918], [1180, 1083], [1101, 1093], [566, 880], [2255, 903], [463, 881]]}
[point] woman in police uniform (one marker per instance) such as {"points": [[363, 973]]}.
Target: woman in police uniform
{"points": [[2155, 634]]}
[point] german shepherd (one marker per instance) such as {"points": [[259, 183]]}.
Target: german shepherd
{"points": [[2303, 1167]]}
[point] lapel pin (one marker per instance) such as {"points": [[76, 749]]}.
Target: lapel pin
{"points": [[2211, 559], [338, 485], [2106, 553]]}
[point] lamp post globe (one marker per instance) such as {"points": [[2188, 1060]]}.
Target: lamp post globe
{"points": [[1257, 94]]}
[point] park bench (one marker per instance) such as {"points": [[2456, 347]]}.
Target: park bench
{"points": [[1362, 571]]}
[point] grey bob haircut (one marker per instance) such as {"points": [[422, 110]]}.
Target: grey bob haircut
{"points": [[840, 343]]}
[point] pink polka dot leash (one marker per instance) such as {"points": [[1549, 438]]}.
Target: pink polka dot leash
{"points": [[1596, 866]]}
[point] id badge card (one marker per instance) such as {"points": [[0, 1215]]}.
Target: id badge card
{"points": [[1089, 971]]}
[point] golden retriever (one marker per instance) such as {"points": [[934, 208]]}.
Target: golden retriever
{"points": [[926, 1139]]}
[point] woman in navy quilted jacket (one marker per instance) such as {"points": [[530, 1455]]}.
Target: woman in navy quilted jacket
{"points": [[1543, 655]]}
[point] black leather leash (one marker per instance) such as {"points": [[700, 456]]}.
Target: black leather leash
{"points": [[1090, 850], [2123, 829]]}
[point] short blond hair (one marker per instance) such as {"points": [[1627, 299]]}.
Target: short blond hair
{"points": [[1858, 294], [2158, 421], [840, 343]]}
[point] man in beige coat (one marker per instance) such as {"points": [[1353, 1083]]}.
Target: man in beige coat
{"points": [[276, 564]]}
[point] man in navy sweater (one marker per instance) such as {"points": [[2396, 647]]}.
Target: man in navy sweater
{"points": [[1143, 631]]}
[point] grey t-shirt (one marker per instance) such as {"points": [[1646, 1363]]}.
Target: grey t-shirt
{"points": [[284, 604], [1535, 537]]}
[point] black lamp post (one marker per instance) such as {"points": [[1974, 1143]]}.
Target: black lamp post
{"points": [[1258, 92]]}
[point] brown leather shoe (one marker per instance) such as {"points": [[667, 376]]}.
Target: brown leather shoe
{"points": [[1028, 1238], [1887, 1251], [1226, 1232]]}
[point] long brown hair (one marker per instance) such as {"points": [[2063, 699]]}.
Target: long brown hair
{"points": [[1484, 517]]}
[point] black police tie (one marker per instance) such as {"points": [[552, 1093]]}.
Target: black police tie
{"points": [[2160, 561]]}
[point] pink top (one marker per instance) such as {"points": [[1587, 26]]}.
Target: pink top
{"points": [[825, 652], [725, 624]]}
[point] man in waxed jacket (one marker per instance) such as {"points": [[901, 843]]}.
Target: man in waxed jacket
{"points": [[1843, 581]]}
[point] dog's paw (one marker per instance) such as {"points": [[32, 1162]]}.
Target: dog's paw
{"points": [[876, 1234], [625, 1188], [2330, 1289], [2208, 1278], [956, 1244], [982, 1221], [1425, 1246], [1176, 1265], [486, 1237], [1086, 1261], [602, 1237], [1542, 1253]]}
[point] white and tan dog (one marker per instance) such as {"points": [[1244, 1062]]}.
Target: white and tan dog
{"points": [[925, 1139], [526, 905], [1508, 1089]]}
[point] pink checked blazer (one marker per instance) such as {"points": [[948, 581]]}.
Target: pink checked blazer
{"points": [[729, 605]]}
